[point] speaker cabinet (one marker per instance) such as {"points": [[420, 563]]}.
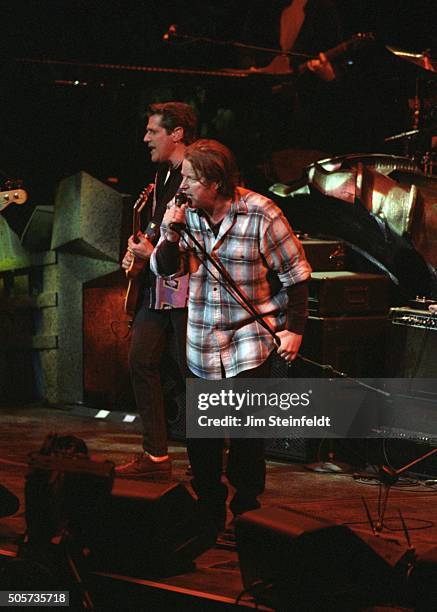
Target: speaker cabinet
{"points": [[355, 345], [413, 344], [106, 337], [291, 561], [106, 346]]}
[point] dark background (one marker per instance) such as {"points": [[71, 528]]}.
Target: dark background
{"points": [[51, 128]]}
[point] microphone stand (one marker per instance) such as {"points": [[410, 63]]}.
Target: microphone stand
{"points": [[233, 288], [388, 476], [173, 33], [239, 296]]}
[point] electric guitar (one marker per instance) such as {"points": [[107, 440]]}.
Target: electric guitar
{"points": [[13, 196], [280, 65], [134, 271], [345, 47]]}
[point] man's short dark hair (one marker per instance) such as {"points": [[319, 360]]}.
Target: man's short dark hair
{"points": [[212, 162], [176, 114]]}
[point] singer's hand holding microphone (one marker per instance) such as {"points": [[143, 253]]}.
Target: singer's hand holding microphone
{"points": [[176, 217]]}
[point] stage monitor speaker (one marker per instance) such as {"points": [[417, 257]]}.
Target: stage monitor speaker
{"points": [[9, 503], [423, 581], [291, 561], [37, 234], [147, 528]]}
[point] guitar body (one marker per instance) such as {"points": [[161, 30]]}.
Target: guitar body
{"points": [[138, 265]]}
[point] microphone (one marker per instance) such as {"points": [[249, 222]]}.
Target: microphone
{"points": [[177, 227], [181, 198], [170, 32]]}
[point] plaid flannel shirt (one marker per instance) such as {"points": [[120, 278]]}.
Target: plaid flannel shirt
{"points": [[259, 250]]}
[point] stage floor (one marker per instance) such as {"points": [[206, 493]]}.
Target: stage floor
{"points": [[216, 580]]}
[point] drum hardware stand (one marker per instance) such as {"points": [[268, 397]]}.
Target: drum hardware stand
{"points": [[389, 477]]}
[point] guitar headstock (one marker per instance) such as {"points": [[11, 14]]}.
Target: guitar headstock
{"points": [[12, 196], [143, 197], [359, 38]]}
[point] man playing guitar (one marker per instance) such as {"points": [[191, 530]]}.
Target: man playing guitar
{"points": [[161, 308]]}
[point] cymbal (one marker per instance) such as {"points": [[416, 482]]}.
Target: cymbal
{"points": [[422, 132], [422, 60]]}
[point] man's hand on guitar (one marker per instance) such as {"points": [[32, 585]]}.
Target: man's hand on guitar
{"points": [[127, 260], [141, 249], [322, 68]]}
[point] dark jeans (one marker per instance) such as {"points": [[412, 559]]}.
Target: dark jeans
{"points": [[246, 468], [150, 333]]}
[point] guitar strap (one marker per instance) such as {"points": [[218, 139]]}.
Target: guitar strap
{"points": [[164, 293]]}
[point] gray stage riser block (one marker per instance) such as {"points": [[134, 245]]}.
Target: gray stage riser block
{"points": [[37, 234], [12, 253], [88, 216]]}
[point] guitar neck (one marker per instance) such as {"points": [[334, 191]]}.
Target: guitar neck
{"points": [[341, 49], [136, 223], [138, 207]]}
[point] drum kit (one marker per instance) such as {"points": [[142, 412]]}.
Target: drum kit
{"points": [[384, 206]]}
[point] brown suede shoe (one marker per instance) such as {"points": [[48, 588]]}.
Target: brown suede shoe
{"points": [[141, 466]]}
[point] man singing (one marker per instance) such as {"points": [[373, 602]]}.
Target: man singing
{"points": [[249, 235]]}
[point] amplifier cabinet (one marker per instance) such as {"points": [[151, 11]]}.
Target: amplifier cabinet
{"points": [[334, 293], [355, 345], [324, 254], [292, 449], [413, 344]]}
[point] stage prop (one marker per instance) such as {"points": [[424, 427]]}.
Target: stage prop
{"points": [[37, 234], [41, 313]]}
